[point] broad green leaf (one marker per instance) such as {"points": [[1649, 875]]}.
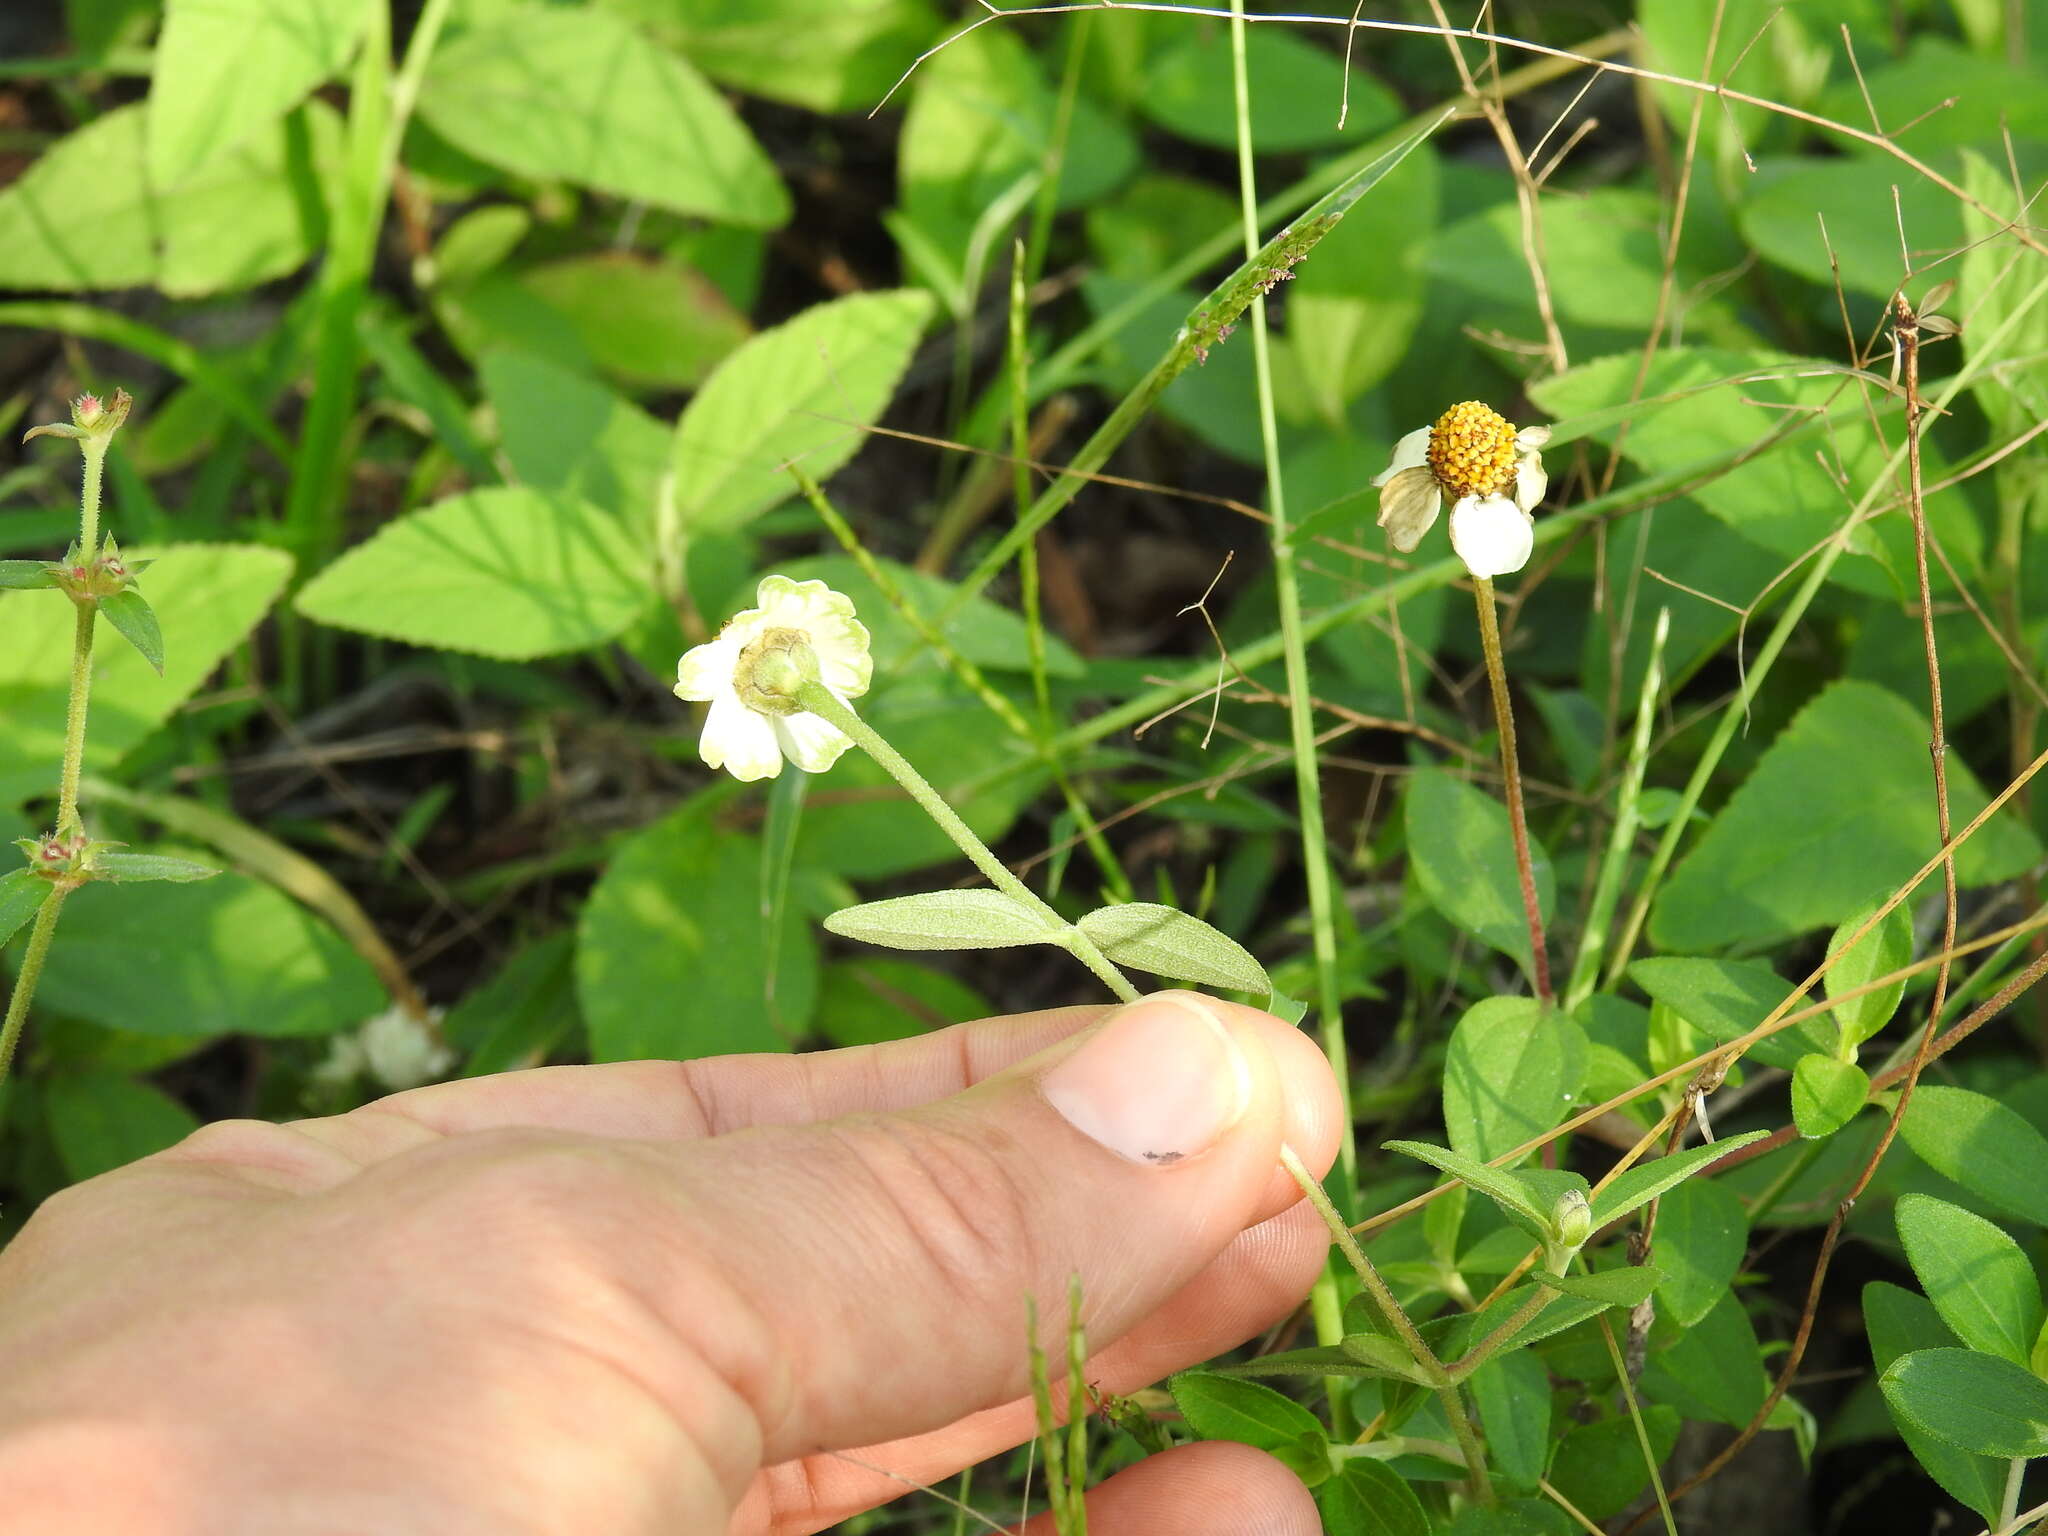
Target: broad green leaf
{"points": [[506, 572], [129, 612], [671, 957], [1697, 405], [514, 1019], [581, 96], [1646, 1181], [1982, 1145], [1226, 1408], [230, 954], [1464, 856], [129, 868], [1796, 849], [1975, 1402], [208, 598], [2012, 384], [821, 54], [1702, 1231], [22, 575], [226, 69], [1507, 1191], [1978, 1278], [1886, 948], [1170, 943], [1783, 212], [1726, 999], [21, 897], [1896, 1321], [969, 919], [85, 216], [801, 392], [1600, 1466], [572, 437], [1511, 1517], [101, 1120], [1512, 1392], [1951, 96], [1512, 1070], [1364, 1497], [1826, 1094], [874, 998], [1712, 1371], [1296, 90], [1624, 1286]]}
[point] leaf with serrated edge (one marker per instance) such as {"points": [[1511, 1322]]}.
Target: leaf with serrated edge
{"points": [[129, 612], [1974, 1401], [974, 919], [1646, 1181], [1168, 942]]}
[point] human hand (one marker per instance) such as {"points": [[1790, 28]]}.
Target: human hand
{"points": [[670, 1297]]}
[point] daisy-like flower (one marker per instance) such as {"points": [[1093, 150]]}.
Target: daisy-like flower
{"points": [[750, 731], [1493, 475]]}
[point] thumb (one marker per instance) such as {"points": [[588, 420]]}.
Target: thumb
{"points": [[883, 1264]]}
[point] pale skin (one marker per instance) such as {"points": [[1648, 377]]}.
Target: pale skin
{"points": [[753, 1294]]}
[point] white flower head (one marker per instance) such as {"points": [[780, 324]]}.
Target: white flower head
{"points": [[397, 1049], [749, 733], [1493, 474]]}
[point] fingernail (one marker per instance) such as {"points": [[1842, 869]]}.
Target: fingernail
{"points": [[1161, 1081]]}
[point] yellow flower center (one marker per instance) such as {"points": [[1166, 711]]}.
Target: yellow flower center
{"points": [[1472, 450]]}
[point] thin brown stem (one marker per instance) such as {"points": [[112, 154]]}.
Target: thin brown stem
{"points": [[1504, 717]]}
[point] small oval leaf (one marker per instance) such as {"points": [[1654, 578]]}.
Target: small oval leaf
{"points": [[1886, 948], [1169, 943], [977, 919], [1974, 1401], [1826, 1094]]}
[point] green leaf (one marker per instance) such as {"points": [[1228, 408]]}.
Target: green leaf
{"points": [[1368, 1498], [1226, 1408], [226, 69], [1886, 948], [1702, 1231], [506, 572], [1804, 849], [22, 575], [130, 868], [573, 437], [802, 391], [1990, 286], [969, 919], [1726, 999], [1464, 857], [1978, 1278], [671, 957], [1512, 1070], [1790, 196], [1511, 1517], [1897, 1322], [1170, 943], [1497, 1184], [1296, 89], [231, 952], [1985, 1147], [85, 215], [102, 1120], [1826, 1094], [581, 96], [1624, 1286], [1646, 1181], [1512, 1392], [520, 1014], [208, 598], [21, 897], [130, 614], [820, 54], [877, 998], [1973, 1401], [1712, 1372], [1599, 1467], [1563, 1312]]}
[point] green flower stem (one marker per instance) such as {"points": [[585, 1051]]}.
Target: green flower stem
{"points": [[1441, 1380], [828, 706], [32, 958], [1510, 766]]}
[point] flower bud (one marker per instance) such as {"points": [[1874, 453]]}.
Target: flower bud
{"points": [[1572, 1219]]}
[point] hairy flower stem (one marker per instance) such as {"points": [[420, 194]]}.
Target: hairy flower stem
{"points": [[31, 972], [1439, 1376], [95, 451], [1510, 767], [828, 706]]}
